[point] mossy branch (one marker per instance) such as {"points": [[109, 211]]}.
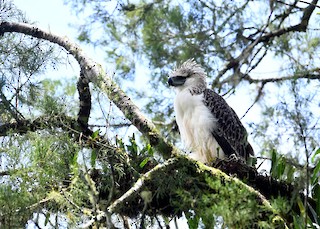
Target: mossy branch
{"points": [[160, 187], [94, 73]]}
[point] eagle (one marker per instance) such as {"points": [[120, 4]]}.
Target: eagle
{"points": [[208, 126]]}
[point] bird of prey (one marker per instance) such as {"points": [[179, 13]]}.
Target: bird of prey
{"points": [[208, 126]]}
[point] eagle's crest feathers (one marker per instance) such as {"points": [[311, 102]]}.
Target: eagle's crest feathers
{"points": [[188, 69]]}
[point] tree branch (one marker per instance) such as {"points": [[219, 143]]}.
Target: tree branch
{"points": [[312, 75], [23, 126], [147, 184], [266, 185], [258, 96], [138, 185], [94, 73], [5, 173], [12, 109], [85, 101], [300, 27], [244, 55]]}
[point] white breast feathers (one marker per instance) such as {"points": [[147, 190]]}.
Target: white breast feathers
{"points": [[196, 123]]}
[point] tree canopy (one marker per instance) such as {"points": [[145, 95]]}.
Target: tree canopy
{"points": [[67, 160]]}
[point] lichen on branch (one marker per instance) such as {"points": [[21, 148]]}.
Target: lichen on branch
{"points": [[94, 73]]}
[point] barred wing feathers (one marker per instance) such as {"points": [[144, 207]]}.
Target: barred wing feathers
{"points": [[229, 133]]}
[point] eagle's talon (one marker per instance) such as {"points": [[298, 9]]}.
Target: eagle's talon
{"points": [[233, 157]]}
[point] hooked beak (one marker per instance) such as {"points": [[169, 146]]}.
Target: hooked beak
{"points": [[177, 81]]}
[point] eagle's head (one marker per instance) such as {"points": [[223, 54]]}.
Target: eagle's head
{"points": [[188, 75]]}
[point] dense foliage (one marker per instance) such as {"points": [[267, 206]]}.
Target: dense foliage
{"points": [[59, 168]]}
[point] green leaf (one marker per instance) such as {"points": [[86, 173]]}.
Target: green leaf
{"points": [[273, 159], [150, 150], [147, 150], [281, 167], [313, 158], [133, 147], [93, 158], [290, 173], [144, 162], [297, 221], [95, 134], [275, 167], [75, 159], [316, 196], [193, 222], [301, 206], [46, 221], [120, 143], [315, 216], [315, 174]]}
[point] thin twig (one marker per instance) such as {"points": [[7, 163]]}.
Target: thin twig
{"points": [[259, 94]]}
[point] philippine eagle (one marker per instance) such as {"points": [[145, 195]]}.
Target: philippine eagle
{"points": [[208, 126]]}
